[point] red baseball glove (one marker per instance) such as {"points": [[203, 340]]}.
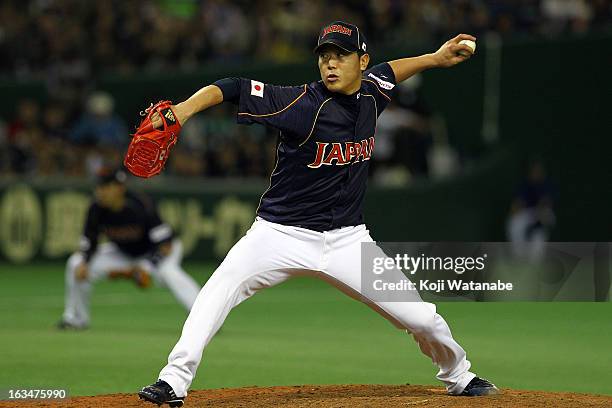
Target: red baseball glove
{"points": [[150, 147]]}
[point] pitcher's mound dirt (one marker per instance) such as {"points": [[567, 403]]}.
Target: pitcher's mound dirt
{"points": [[336, 396]]}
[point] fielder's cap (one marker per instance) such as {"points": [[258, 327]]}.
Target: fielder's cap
{"points": [[344, 35], [109, 175]]}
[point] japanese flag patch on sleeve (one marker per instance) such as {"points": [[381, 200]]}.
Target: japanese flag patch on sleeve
{"points": [[257, 88]]}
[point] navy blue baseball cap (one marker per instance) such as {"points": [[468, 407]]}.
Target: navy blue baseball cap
{"points": [[344, 35]]}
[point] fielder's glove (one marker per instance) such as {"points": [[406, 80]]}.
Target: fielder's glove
{"points": [[137, 274], [141, 277], [150, 146]]}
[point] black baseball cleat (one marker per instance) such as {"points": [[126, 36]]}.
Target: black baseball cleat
{"points": [[479, 387], [161, 393]]}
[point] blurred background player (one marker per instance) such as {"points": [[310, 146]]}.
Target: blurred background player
{"points": [[140, 246], [531, 215]]}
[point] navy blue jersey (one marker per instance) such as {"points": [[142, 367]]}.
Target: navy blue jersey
{"points": [[326, 142]]}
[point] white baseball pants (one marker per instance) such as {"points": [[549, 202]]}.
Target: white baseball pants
{"points": [[109, 258], [271, 253]]}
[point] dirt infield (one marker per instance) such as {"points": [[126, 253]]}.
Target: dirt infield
{"points": [[353, 396]]}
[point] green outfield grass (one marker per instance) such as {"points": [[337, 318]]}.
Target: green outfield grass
{"points": [[300, 332]]}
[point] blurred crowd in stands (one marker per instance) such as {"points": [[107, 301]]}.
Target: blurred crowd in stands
{"points": [[41, 140], [69, 43], [38, 35]]}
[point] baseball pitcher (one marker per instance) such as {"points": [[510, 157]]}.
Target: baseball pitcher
{"points": [[309, 221]]}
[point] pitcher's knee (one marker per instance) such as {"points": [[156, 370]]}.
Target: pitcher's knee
{"points": [[233, 292], [422, 325], [216, 285]]}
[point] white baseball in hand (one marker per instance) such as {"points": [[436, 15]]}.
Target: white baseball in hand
{"points": [[470, 44]]}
